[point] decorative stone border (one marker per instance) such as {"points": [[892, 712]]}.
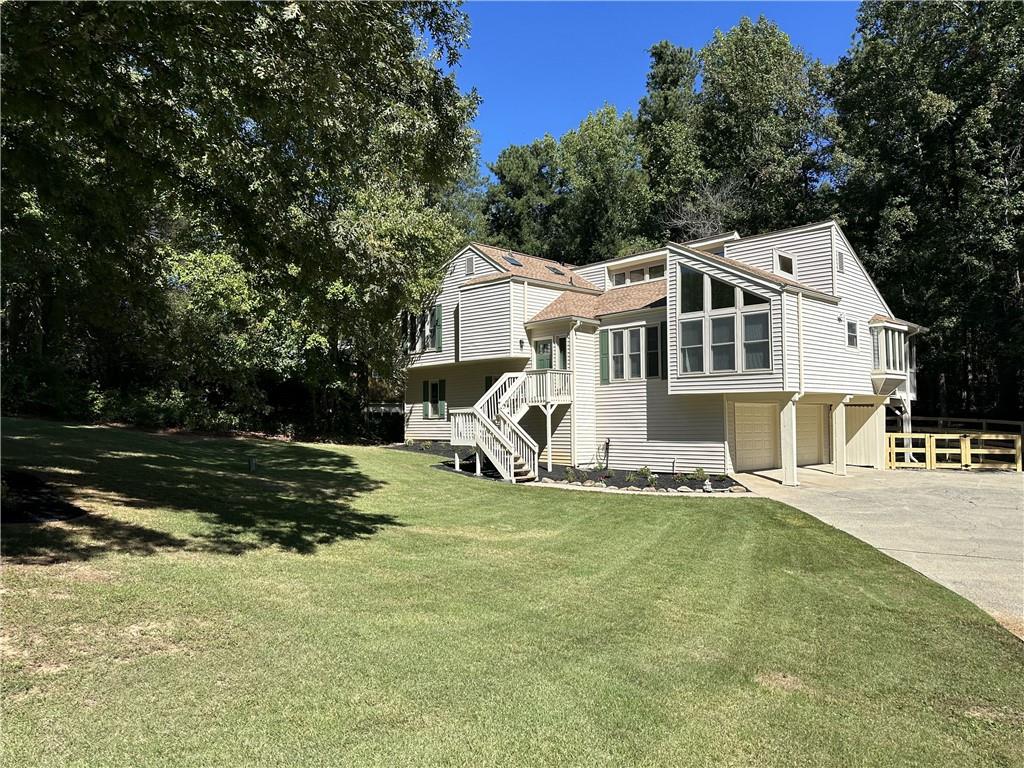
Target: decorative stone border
{"points": [[688, 493]]}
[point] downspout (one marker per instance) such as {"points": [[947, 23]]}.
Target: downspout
{"points": [[800, 342], [572, 408]]}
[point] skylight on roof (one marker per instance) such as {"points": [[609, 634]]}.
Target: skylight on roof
{"points": [[512, 260], [556, 270]]}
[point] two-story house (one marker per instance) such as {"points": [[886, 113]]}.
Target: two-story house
{"points": [[730, 354]]}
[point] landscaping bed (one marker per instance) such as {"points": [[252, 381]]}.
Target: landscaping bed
{"points": [[639, 479]]}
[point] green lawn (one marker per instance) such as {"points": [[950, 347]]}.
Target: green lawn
{"points": [[352, 606]]}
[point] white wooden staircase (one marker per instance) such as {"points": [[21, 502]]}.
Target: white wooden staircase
{"points": [[492, 425]]}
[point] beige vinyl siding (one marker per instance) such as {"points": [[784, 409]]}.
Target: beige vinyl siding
{"points": [[829, 364], [519, 342], [464, 385], [586, 375], [486, 321], [855, 287], [765, 381], [812, 248], [537, 298], [648, 427], [594, 273], [454, 278]]}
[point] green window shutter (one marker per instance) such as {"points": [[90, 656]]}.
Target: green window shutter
{"points": [[438, 314], [426, 399], [664, 349], [604, 356], [442, 403]]}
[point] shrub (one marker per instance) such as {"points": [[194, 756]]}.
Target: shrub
{"points": [[699, 475], [642, 476], [680, 478], [575, 474]]}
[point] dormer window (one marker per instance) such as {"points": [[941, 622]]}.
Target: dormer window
{"points": [[470, 264]]}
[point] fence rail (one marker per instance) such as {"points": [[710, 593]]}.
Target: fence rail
{"points": [[956, 424], [968, 450]]}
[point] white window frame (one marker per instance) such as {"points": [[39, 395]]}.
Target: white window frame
{"points": [[712, 319], [855, 335], [626, 272], [745, 312], [657, 350], [776, 253], [624, 332], [703, 345], [470, 263]]}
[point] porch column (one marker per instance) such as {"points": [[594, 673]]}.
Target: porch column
{"points": [[477, 473], [787, 431], [839, 437], [548, 408]]}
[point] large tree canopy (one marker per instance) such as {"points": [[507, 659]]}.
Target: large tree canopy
{"points": [[930, 102], [312, 142]]}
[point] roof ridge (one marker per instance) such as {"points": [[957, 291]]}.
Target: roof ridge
{"points": [[521, 253]]}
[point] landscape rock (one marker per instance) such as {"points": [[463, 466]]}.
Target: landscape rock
{"points": [[588, 483], [546, 480], [737, 489], [632, 488], [672, 490], [575, 482], [650, 489], [685, 489], [600, 484]]}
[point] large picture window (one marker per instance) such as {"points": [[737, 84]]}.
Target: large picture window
{"points": [[731, 332]]}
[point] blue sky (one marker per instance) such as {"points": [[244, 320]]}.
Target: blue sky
{"points": [[542, 67]]}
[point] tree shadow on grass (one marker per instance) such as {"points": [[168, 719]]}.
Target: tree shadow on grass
{"points": [[298, 499]]}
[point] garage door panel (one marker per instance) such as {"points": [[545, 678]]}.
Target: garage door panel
{"points": [[756, 434], [809, 435]]}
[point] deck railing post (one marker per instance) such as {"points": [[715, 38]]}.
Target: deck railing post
{"points": [[965, 451], [1017, 449]]}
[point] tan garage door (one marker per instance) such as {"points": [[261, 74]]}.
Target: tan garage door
{"points": [[756, 435], [864, 434], [810, 443]]}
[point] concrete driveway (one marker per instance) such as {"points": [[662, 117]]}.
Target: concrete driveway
{"points": [[965, 530]]}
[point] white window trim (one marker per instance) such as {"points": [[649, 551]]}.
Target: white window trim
{"points": [[624, 330], [733, 315], [470, 263], [776, 252], [708, 314], [856, 333], [756, 309], [645, 268]]}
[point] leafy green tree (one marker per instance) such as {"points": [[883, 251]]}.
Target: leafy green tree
{"points": [[668, 134], [267, 127], [522, 206], [607, 198], [762, 123], [930, 103]]}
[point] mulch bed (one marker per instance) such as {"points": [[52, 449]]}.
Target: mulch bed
{"points": [[28, 498], [612, 478]]}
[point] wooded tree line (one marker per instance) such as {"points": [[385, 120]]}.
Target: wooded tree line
{"points": [[212, 213], [913, 141]]}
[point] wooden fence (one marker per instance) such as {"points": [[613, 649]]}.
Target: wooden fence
{"points": [[955, 424], [970, 450]]}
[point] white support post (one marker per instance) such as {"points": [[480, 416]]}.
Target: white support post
{"points": [[839, 438], [478, 472], [457, 467], [547, 417], [787, 431]]}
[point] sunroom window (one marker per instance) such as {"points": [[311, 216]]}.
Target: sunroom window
{"points": [[723, 295], [757, 355], [723, 343], [691, 346], [691, 290]]}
